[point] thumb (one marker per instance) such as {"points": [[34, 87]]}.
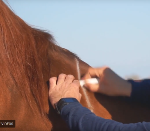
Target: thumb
{"points": [[92, 72], [86, 76]]}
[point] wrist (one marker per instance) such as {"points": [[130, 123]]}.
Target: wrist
{"points": [[63, 102], [126, 89]]}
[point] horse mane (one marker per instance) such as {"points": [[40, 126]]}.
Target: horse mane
{"points": [[24, 58]]}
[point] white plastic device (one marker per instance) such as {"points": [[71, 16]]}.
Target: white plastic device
{"points": [[90, 81]]}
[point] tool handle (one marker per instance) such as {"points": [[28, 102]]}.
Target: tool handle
{"points": [[90, 81]]}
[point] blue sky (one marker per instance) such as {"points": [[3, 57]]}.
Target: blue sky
{"points": [[111, 33]]}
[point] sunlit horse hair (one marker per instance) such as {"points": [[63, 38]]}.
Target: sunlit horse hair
{"points": [[28, 58]]}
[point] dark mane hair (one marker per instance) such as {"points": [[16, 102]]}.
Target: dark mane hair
{"points": [[24, 57]]}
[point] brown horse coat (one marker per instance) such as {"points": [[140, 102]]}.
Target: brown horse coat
{"points": [[28, 58]]}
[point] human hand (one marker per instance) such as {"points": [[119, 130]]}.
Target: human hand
{"points": [[110, 83], [65, 87]]}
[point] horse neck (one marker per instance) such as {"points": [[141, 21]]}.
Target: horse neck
{"points": [[62, 62]]}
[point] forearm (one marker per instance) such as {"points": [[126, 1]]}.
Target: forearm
{"points": [[124, 88], [79, 118], [140, 91]]}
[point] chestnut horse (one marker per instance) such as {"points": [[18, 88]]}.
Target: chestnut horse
{"points": [[28, 58]]}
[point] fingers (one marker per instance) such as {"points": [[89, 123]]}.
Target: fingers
{"points": [[61, 79], [65, 87], [86, 76], [76, 85], [76, 82], [69, 79], [92, 72], [92, 87], [52, 82]]}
